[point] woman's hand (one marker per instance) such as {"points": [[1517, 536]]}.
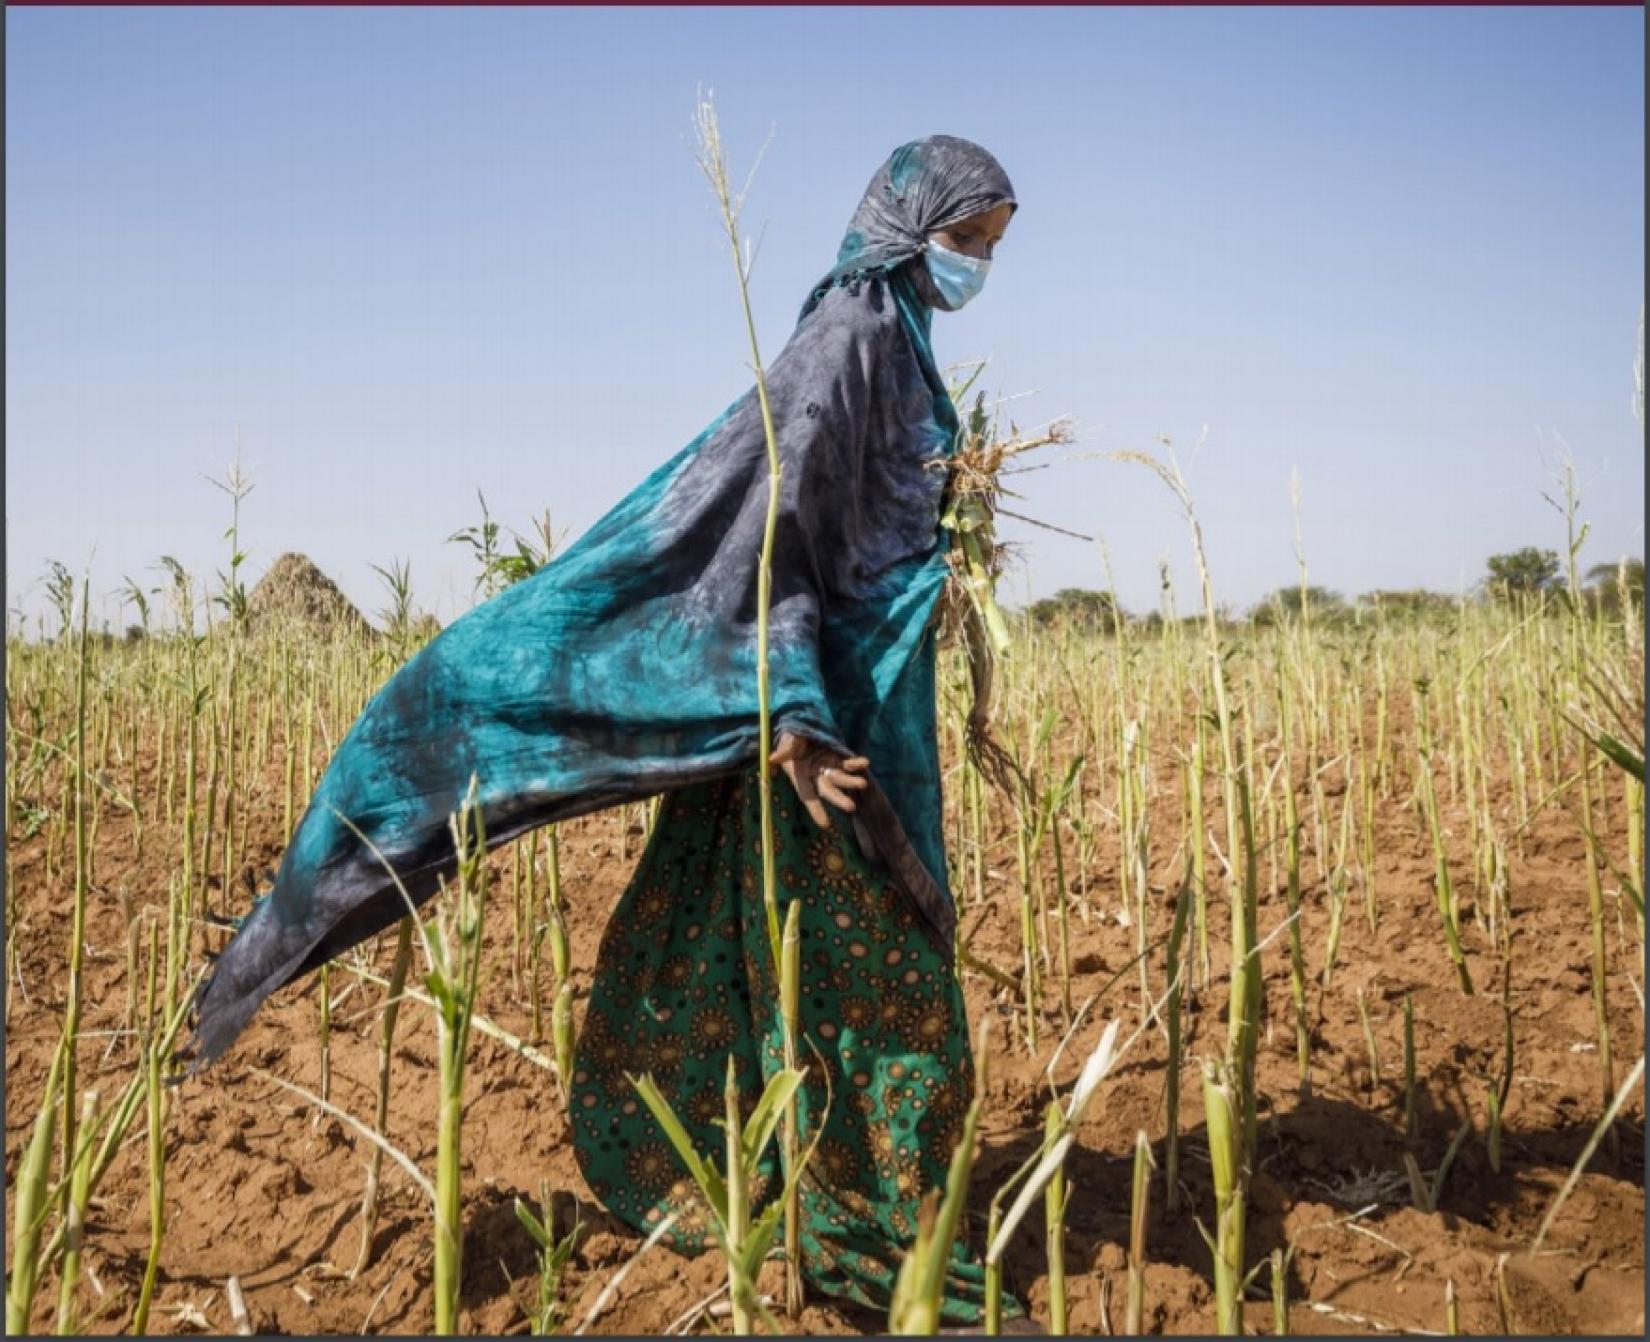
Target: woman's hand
{"points": [[818, 771]]}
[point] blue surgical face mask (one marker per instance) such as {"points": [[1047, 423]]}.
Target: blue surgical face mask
{"points": [[957, 277]]}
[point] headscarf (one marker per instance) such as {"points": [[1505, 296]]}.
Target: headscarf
{"points": [[627, 665], [924, 185]]}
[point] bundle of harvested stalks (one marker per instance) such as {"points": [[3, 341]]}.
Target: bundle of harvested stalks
{"points": [[968, 609]]}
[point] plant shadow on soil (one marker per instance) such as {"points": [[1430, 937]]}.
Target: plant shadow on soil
{"points": [[1291, 1171]]}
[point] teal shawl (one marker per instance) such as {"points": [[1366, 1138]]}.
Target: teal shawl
{"points": [[627, 665]]}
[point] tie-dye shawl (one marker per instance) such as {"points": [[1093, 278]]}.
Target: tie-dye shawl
{"points": [[627, 665]]}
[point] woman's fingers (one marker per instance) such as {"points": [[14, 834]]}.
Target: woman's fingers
{"points": [[831, 788], [806, 792], [816, 773], [839, 799]]}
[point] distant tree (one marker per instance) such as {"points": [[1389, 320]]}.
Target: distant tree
{"points": [[1604, 583], [1319, 600], [1412, 601], [1522, 572], [1080, 606]]}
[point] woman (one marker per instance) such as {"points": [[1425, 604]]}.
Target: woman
{"points": [[684, 975], [627, 668]]}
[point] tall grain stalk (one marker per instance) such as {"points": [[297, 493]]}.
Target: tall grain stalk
{"points": [[129, 916], [1031, 979], [790, 1003], [381, 1113], [1200, 849], [977, 800], [306, 757], [1281, 1259], [1441, 875], [289, 754], [737, 1219], [1057, 805], [119, 1118], [1633, 798], [32, 1205], [1135, 1317], [1292, 849], [214, 756], [1174, 969], [745, 1237], [1056, 1197], [713, 163], [1223, 1122], [1132, 804], [452, 983], [538, 929], [82, 883], [231, 738], [1595, 888], [993, 1272], [561, 961], [1366, 780], [1237, 1088], [1369, 1039], [155, 1094], [1128, 733], [197, 699], [520, 931], [68, 1305], [1337, 917]]}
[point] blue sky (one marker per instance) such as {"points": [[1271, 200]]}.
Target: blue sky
{"points": [[417, 253]]}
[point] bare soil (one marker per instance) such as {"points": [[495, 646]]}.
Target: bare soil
{"points": [[262, 1187]]}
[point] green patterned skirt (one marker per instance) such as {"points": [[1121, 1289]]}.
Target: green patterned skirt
{"points": [[684, 978]]}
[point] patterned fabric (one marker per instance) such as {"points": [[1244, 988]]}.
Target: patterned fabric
{"points": [[627, 666], [684, 977]]}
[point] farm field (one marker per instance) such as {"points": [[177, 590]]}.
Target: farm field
{"points": [[1403, 745]]}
